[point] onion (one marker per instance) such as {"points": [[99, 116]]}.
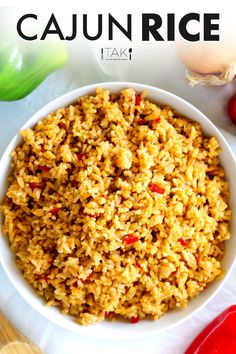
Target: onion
{"points": [[208, 63]]}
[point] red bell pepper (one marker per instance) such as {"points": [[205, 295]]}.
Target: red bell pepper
{"points": [[219, 337]]}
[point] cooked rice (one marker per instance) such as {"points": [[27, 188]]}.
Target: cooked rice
{"points": [[117, 208]]}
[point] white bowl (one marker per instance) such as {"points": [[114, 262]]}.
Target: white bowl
{"points": [[121, 330]]}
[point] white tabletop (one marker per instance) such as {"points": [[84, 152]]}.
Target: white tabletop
{"points": [[163, 71]]}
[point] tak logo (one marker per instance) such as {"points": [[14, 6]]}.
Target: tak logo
{"points": [[109, 53]]}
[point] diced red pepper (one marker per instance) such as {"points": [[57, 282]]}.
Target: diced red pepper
{"points": [[84, 280], [218, 337], [155, 188], [182, 241], [134, 319], [36, 185], [43, 168], [46, 278], [89, 276], [197, 259], [130, 239], [137, 100], [106, 314], [81, 156], [54, 211], [158, 120], [139, 265], [232, 108]]}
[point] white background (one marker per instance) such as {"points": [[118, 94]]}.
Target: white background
{"points": [[154, 65]]}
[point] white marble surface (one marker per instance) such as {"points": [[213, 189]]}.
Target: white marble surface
{"points": [[158, 69]]}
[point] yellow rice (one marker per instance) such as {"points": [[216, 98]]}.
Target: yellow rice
{"points": [[89, 230]]}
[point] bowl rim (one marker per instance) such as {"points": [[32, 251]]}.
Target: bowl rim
{"points": [[63, 101]]}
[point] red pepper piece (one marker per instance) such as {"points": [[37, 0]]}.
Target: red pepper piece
{"points": [[89, 276], [54, 211], [43, 168], [134, 319], [158, 120], [130, 239], [155, 188], [46, 278], [182, 241], [106, 314], [139, 265], [218, 337], [137, 100], [231, 108], [197, 259], [84, 280], [81, 156], [36, 185]]}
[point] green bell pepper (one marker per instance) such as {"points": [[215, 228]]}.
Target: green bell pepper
{"points": [[24, 67]]}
